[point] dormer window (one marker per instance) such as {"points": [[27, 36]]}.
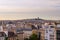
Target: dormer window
{"points": [[51, 26], [40, 26]]}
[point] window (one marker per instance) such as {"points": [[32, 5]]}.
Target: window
{"points": [[58, 25], [52, 39], [46, 39], [0, 34], [50, 30], [51, 26], [46, 31], [51, 35]]}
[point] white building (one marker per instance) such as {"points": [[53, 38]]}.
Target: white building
{"points": [[1, 28], [49, 32], [10, 26], [27, 33]]}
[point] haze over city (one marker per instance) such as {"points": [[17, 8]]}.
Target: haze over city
{"points": [[23, 9]]}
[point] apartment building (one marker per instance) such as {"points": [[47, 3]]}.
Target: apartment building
{"points": [[46, 29], [2, 36], [58, 31], [12, 36]]}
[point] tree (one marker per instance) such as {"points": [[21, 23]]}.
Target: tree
{"points": [[6, 38], [33, 37], [26, 39], [17, 39]]}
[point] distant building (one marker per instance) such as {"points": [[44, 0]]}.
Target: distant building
{"points": [[19, 33], [20, 29], [2, 36], [12, 36], [58, 32], [1, 28], [27, 32], [20, 36]]}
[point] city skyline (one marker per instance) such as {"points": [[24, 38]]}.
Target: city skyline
{"points": [[24, 9]]}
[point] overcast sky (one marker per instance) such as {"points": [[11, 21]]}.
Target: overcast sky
{"points": [[23, 9]]}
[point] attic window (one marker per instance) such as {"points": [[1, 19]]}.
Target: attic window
{"points": [[10, 22], [51, 26], [40, 26]]}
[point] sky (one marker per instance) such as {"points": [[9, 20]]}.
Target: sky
{"points": [[25, 9]]}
